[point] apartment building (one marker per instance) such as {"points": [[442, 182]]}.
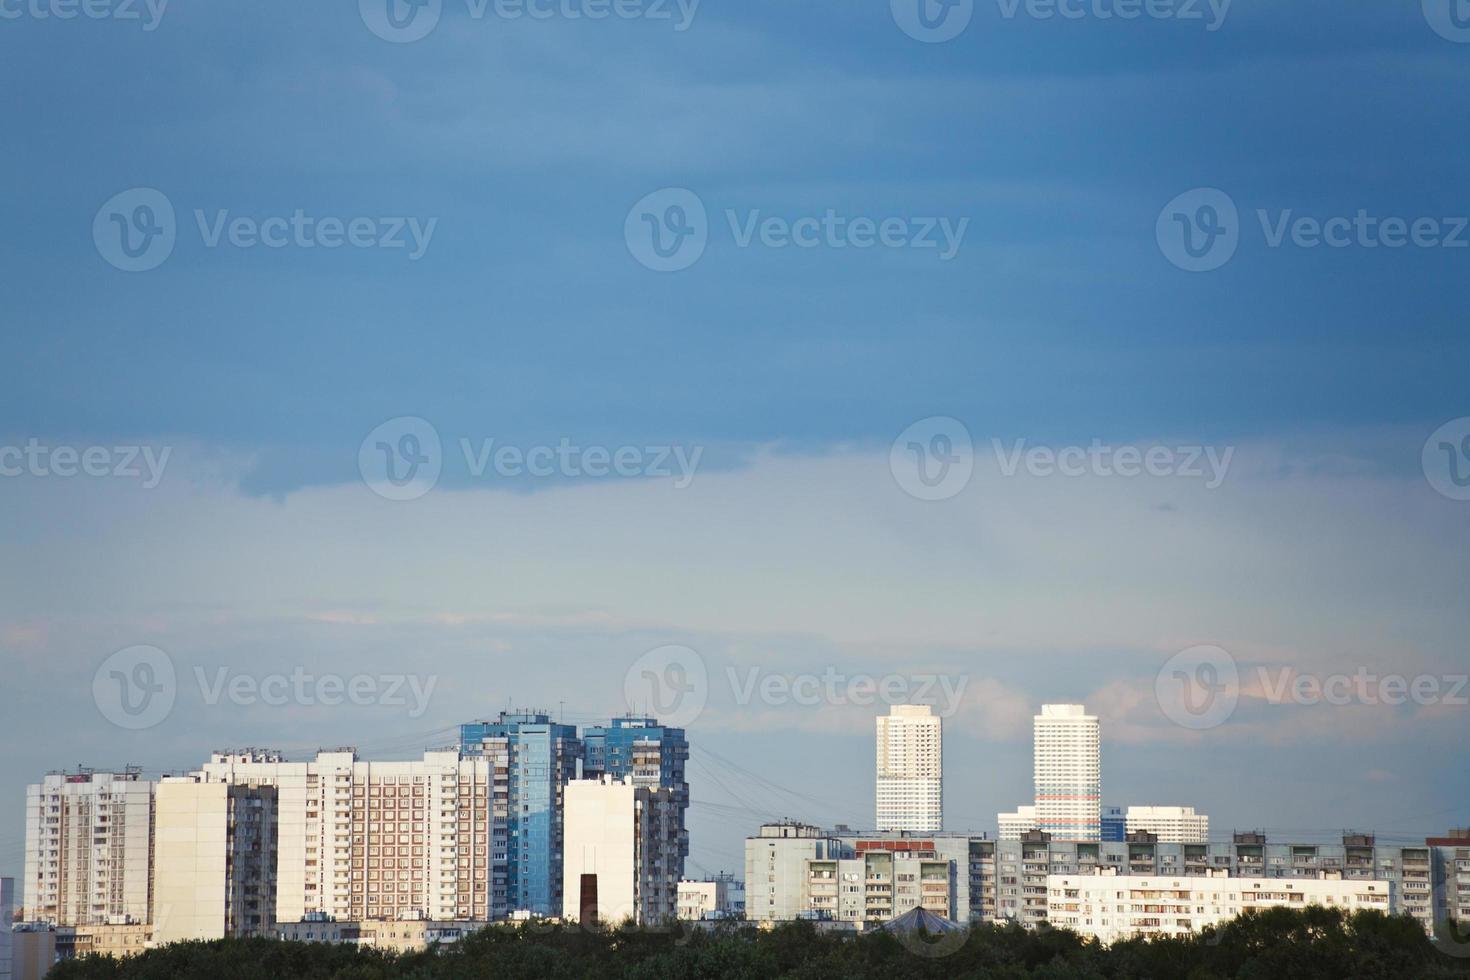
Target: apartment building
{"points": [[89, 838], [532, 759], [1067, 771], [720, 897], [1023, 867], [214, 859], [1169, 824], [876, 885], [1013, 825], [1451, 878], [776, 869], [910, 769], [621, 839], [393, 935], [1114, 824], [799, 871], [647, 754], [375, 840], [1111, 906]]}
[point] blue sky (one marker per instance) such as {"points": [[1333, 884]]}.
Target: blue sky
{"points": [[1060, 320]]}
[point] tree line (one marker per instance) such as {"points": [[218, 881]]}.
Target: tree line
{"points": [[1300, 944]]}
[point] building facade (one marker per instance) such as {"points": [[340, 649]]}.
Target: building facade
{"points": [[620, 839], [533, 759], [648, 754], [1114, 824], [1022, 867], [1013, 825], [375, 840], [910, 770], [1111, 907], [1068, 772], [89, 837], [393, 935], [881, 882], [1169, 824], [720, 897], [1451, 882], [214, 859], [776, 869]]}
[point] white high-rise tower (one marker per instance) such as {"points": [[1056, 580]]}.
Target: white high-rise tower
{"points": [[1068, 773], [910, 769]]}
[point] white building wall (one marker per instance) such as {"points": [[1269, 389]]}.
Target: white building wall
{"points": [[1170, 824], [336, 839], [1067, 768], [776, 870], [88, 837], [1113, 907], [910, 769], [1013, 825], [603, 830], [190, 860]]}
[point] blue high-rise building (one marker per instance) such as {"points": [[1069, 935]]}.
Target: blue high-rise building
{"points": [[1114, 824], [647, 754], [532, 759]]}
